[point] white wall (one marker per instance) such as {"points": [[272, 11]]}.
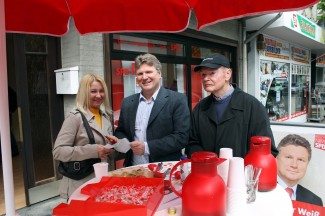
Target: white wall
{"points": [[226, 29], [252, 70], [87, 52]]}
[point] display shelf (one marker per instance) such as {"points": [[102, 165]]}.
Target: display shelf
{"points": [[316, 112]]}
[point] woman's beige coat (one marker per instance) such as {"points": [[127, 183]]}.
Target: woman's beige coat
{"points": [[72, 144]]}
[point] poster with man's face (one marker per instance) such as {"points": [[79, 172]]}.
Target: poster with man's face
{"points": [[311, 175]]}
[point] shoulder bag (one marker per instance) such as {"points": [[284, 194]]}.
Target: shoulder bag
{"points": [[80, 169]]}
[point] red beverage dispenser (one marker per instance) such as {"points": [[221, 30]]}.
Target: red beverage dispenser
{"points": [[260, 156], [203, 192]]}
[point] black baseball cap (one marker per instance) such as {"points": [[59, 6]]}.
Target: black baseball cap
{"points": [[213, 61]]}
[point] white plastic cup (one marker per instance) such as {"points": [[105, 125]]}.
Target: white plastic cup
{"points": [[101, 169], [236, 201], [236, 173], [223, 168]]}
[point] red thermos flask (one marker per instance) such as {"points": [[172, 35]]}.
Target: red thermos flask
{"points": [[203, 192], [260, 156]]}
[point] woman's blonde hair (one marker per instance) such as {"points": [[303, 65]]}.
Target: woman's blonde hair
{"points": [[82, 99]]}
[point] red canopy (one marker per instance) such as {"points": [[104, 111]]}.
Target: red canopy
{"points": [[52, 16], [212, 11]]}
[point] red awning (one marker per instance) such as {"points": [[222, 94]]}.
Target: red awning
{"points": [[90, 16], [209, 12], [52, 16]]}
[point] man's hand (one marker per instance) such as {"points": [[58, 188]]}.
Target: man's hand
{"points": [[137, 147]]}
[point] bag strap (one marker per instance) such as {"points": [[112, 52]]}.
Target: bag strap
{"points": [[88, 129]]}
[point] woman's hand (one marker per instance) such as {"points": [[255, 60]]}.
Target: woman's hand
{"points": [[111, 139], [103, 152]]}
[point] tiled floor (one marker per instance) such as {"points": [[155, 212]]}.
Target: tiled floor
{"points": [[39, 208], [44, 208], [19, 189]]}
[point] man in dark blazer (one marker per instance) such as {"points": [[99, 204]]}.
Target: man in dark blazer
{"points": [[292, 161], [156, 121]]}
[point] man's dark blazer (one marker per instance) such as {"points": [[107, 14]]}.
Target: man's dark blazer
{"points": [[168, 126], [305, 195]]}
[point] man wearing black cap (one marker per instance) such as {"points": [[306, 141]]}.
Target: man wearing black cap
{"points": [[228, 117]]}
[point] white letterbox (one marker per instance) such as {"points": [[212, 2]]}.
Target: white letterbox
{"points": [[67, 81]]}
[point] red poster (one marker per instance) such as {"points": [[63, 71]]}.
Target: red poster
{"points": [[306, 209], [320, 141]]}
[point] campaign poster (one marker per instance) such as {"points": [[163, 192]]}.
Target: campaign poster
{"points": [[315, 174]]}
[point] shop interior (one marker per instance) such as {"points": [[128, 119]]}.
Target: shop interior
{"points": [[289, 95]]}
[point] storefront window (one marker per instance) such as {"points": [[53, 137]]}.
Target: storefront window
{"points": [[178, 56], [274, 88], [284, 79], [124, 81], [130, 43], [280, 105], [299, 90]]}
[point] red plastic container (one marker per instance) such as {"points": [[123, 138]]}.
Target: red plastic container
{"points": [[203, 192], [260, 156], [91, 208]]}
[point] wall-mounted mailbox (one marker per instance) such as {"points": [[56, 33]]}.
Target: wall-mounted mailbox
{"points": [[67, 81]]}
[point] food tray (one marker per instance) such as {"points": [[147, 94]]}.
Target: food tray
{"points": [[90, 207]]}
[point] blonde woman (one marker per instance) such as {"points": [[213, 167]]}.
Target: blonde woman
{"points": [[72, 143]]}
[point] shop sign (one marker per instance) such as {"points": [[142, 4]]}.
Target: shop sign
{"points": [[276, 48], [303, 25], [125, 71], [158, 44], [300, 24], [300, 55]]}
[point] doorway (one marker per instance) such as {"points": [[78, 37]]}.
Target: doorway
{"points": [[31, 61]]}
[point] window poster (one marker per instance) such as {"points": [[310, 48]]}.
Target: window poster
{"points": [[273, 81], [300, 55]]}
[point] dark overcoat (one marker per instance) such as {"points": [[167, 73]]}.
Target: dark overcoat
{"points": [[244, 117]]}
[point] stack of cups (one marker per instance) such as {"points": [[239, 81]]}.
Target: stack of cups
{"points": [[224, 167], [236, 187]]}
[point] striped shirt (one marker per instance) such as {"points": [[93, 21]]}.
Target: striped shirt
{"points": [[141, 123]]}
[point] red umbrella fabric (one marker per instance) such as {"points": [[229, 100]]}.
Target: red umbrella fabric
{"points": [[209, 12], [130, 15], [52, 16], [37, 16], [90, 16]]}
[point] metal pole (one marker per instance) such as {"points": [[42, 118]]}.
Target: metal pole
{"points": [[4, 123]]}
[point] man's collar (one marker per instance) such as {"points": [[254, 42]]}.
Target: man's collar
{"points": [[227, 94], [153, 97]]}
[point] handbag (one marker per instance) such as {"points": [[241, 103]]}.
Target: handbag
{"points": [[80, 169]]}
